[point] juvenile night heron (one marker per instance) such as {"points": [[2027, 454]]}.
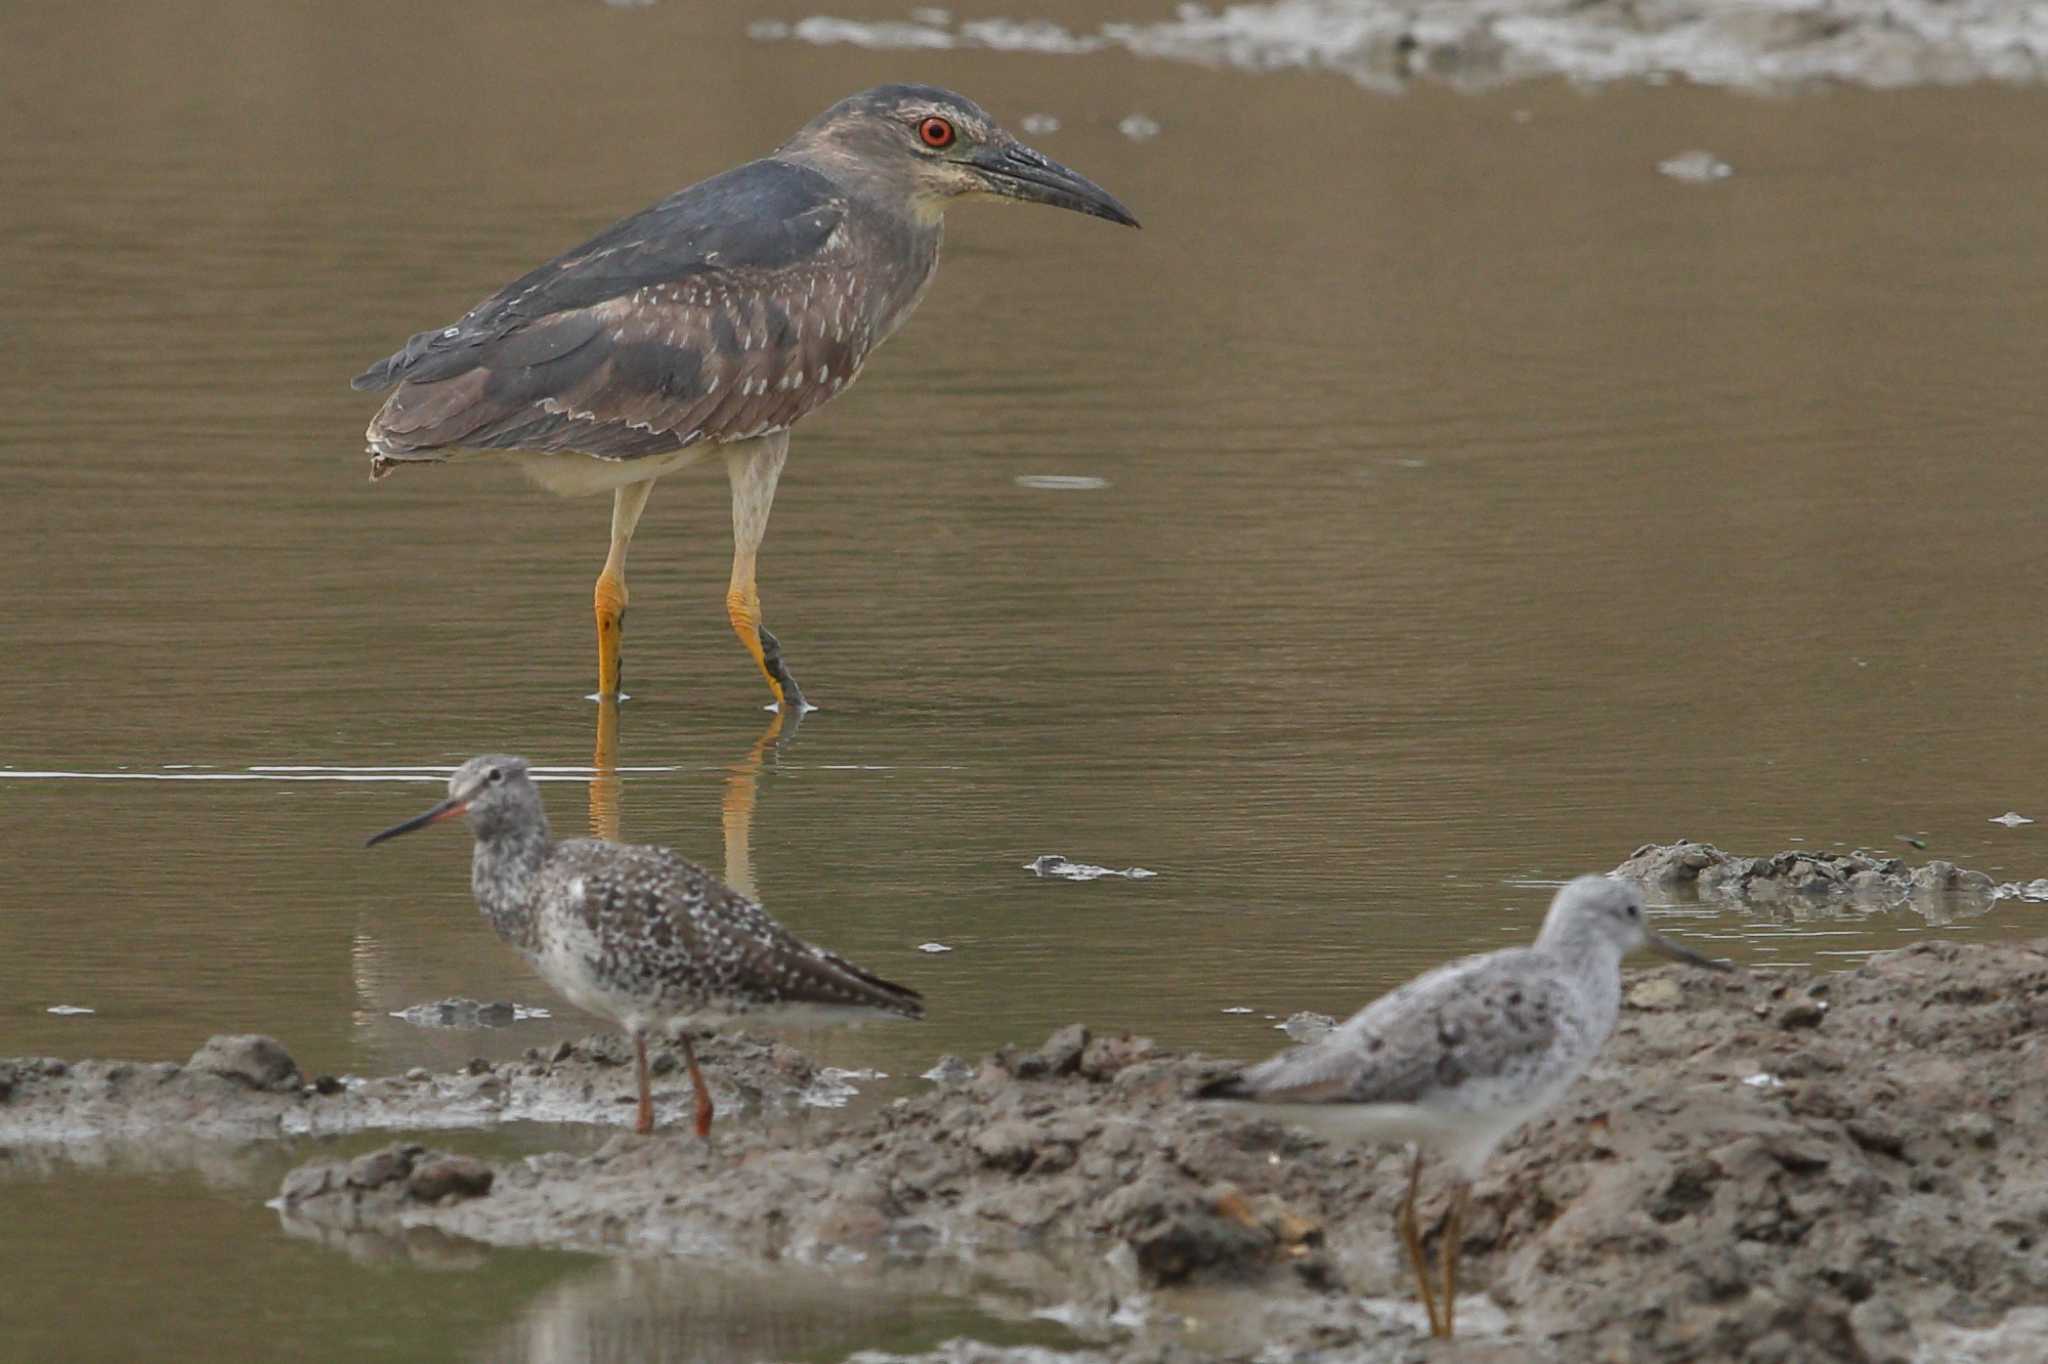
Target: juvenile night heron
{"points": [[638, 935], [709, 324], [1461, 1056]]}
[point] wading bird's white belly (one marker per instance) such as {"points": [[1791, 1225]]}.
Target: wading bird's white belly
{"points": [[566, 473]]}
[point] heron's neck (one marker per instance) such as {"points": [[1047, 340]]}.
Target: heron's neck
{"points": [[504, 874]]}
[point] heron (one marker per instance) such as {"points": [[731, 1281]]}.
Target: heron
{"points": [[709, 324]]}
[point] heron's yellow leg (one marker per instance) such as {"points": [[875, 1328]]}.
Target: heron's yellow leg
{"points": [[753, 468], [610, 598]]}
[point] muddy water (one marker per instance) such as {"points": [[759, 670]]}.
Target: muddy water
{"points": [[1476, 503]]}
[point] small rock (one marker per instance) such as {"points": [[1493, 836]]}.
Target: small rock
{"points": [[256, 1061], [419, 1074], [949, 1070], [445, 1176], [1696, 167], [1679, 863], [327, 1084], [1308, 1027], [1974, 1129], [308, 1181], [1007, 1146], [1196, 1242], [1062, 1051], [1802, 1016], [377, 1168], [1106, 1056], [1062, 868], [1655, 995], [1940, 875]]}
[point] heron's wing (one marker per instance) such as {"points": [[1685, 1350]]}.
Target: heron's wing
{"points": [[724, 311], [1482, 1018], [702, 938]]}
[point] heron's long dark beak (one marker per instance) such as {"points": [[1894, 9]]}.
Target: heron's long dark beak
{"points": [[447, 809], [1665, 947], [1015, 171]]}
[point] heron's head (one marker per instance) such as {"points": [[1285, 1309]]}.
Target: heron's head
{"points": [[492, 792], [1603, 910], [931, 146]]}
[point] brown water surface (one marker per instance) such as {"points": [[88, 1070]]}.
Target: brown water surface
{"points": [[1476, 503]]}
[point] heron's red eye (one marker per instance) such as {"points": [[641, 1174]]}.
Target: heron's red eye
{"points": [[935, 132]]}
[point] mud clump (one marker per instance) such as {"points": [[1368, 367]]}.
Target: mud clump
{"points": [[249, 1088], [1829, 1167], [1761, 1167], [1858, 875], [407, 1172], [256, 1061]]}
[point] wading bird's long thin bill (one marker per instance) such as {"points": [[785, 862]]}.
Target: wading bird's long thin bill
{"points": [[1663, 946], [447, 809], [1018, 172]]}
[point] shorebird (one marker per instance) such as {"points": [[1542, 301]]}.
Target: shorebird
{"points": [[710, 324], [1461, 1056], [635, 933]]}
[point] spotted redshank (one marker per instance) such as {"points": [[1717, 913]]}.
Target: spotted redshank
{"points": [[638, 935], [1461, 1056]]}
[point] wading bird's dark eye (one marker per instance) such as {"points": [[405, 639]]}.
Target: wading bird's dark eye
{"points": [[935, 132], [497, 774]]}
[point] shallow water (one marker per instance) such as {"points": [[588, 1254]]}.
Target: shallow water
{"points": [[1434, 501]]}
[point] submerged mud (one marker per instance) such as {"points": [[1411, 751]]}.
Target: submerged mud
{"points": [[249, 1088], [1761, 1166], [1862, 877]]}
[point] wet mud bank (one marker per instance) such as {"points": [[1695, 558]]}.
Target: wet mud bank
{"points": [[249, 1089], [1766, 1166], [1863, 876], [1477, 44]]}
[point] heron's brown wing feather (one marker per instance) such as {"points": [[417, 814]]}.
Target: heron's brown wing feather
{"points": [[668, 367], [765, 215], [726, 311]]}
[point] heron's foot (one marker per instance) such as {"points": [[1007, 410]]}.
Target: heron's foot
{"points": [[789, 697]]}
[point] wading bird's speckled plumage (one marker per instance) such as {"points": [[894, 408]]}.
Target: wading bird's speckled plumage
{"points": [[637, 934], [638, 931]]}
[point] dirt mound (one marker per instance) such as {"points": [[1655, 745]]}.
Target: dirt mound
{"points": [[249, 1088], [1763, 1167], [1860, 875]]}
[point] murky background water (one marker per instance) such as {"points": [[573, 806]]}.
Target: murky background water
{"points": [[1477, 503]]}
